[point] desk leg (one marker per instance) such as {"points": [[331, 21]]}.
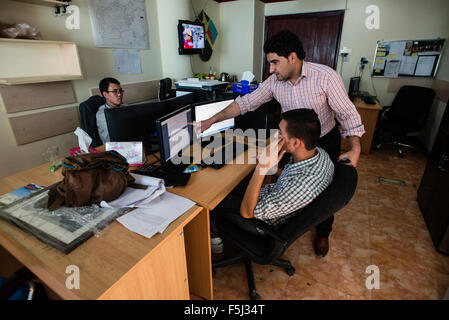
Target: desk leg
{"points": [[197, 244]]}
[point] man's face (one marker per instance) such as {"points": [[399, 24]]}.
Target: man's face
{"points": [[280, 66], [114, 95]]}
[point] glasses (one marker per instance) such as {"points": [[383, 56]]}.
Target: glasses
{"points": [[116, 91]]}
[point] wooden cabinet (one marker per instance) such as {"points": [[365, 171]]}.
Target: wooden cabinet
{"points": [[433, 192], [34, 61], [368, 113]]}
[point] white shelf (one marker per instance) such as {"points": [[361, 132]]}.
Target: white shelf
{"points": [[34, 61], [47, 3]]}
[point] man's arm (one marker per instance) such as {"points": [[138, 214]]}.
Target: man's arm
{"points": [[354, 153], [268, 159], [231, 111]]}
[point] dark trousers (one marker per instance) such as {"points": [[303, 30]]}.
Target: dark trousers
{"points": [[331, 143]]}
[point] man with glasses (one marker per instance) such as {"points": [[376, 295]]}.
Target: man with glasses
{"points": [[113, 93]]}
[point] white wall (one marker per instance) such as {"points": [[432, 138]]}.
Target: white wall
{"points": [[96, 63]]}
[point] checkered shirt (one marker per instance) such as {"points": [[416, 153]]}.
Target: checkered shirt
{"points": [[319, 88], [297, 186]]}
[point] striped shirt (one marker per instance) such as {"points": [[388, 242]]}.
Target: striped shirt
{"points": [[297, 186], [319, 88]]}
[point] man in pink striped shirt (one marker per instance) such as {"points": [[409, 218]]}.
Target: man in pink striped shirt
{"points": [[295, 83]]}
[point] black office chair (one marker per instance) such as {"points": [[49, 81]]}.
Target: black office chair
{"points": [[88, 114], [267, 250], [165, 89], [407, 115]]}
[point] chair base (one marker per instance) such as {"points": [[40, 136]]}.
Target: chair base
{"points": [[289, 269], [399, 147]]}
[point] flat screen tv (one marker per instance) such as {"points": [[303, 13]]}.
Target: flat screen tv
{"points": [[191, 37]]}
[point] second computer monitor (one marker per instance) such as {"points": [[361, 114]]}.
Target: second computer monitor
{"points": [[205, 110], [175, 132]]}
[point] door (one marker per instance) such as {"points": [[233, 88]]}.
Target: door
{"points": [[319, 32]]}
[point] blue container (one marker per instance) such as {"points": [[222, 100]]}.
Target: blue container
{"points": [[243, 87]]}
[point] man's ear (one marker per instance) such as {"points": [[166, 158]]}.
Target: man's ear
{"points": [[292, 57]]}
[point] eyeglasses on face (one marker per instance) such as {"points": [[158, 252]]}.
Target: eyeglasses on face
{"points": [[116, 91]]}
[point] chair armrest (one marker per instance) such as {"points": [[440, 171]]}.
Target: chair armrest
{"points": [[269, 230]]}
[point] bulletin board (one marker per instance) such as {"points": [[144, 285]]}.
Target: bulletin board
{"points": [[407, 58]]}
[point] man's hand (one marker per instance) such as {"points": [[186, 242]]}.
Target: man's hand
{"points": [[353, 154], [270, 156]]}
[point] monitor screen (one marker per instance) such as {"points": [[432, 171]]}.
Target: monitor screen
{"points": [[175, 132], [206, 110], [191, 37]]}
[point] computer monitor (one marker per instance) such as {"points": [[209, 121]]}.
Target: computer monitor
{"points": [[175, 132], [180, 101], [354, 87], [205, 110], [135, 122]]}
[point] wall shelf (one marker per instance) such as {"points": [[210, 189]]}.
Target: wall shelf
{"points": [[47, 3], [34, 61]]}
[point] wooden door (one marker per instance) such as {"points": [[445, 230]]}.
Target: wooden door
{"points": [[319, 32]]}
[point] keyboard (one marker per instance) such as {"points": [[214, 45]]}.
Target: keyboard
{"points": [[223, 156], [146, 169]]}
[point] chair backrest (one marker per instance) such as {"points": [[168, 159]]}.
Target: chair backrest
{"points": [[88, 114], [411, 106], [164, 88], [331, 200]]}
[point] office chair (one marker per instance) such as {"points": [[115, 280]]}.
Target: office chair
{"points": [[88, 114], [267, 250], [407, 114], [165, 89]]}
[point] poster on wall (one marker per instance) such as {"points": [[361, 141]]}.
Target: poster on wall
{"points": [[119, 24], [407, 58]]}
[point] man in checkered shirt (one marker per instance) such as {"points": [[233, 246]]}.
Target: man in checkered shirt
{"points": [[308, 173], [298, 84]]}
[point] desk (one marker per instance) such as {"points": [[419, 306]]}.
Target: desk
{"points": [[368, 113], [118, 264]]}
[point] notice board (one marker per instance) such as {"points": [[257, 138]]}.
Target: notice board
{"points": [[407, 58]]}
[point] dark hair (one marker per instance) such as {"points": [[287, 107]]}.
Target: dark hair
{"points": [[283, 43], [303, 124], [104, 84]]}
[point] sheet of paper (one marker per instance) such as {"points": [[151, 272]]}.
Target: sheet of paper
{"points": [[392, 69], [424, 66], [138, 197], [127, 61], [397, 49], [408, 64], [156, 217]]}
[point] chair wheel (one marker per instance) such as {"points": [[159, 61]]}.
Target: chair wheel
{"points": [[254, 295], [290, 271]]}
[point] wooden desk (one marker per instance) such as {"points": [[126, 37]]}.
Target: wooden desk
{"points": [[368, 113], [118, 264]]}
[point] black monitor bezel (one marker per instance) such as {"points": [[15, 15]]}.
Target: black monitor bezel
{"points": [[159, 131]]}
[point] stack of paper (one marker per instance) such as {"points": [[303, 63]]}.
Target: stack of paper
{"points": [[157, 215], [138, 197]]}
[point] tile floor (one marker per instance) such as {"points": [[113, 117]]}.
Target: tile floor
{"points": [[381, 226]]}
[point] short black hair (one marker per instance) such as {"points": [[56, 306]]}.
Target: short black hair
{"points": [[303, 124], [104, 84], [283, 43]]}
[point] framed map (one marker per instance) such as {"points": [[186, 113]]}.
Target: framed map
{"points": [[119, 23]]}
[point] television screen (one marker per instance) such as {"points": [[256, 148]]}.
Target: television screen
{"points": [[191, 37]]}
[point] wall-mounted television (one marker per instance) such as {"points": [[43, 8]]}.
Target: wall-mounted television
{"points": [[191, 37]]}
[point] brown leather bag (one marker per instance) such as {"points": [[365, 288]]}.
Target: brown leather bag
{"points": [[89, 179]]}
